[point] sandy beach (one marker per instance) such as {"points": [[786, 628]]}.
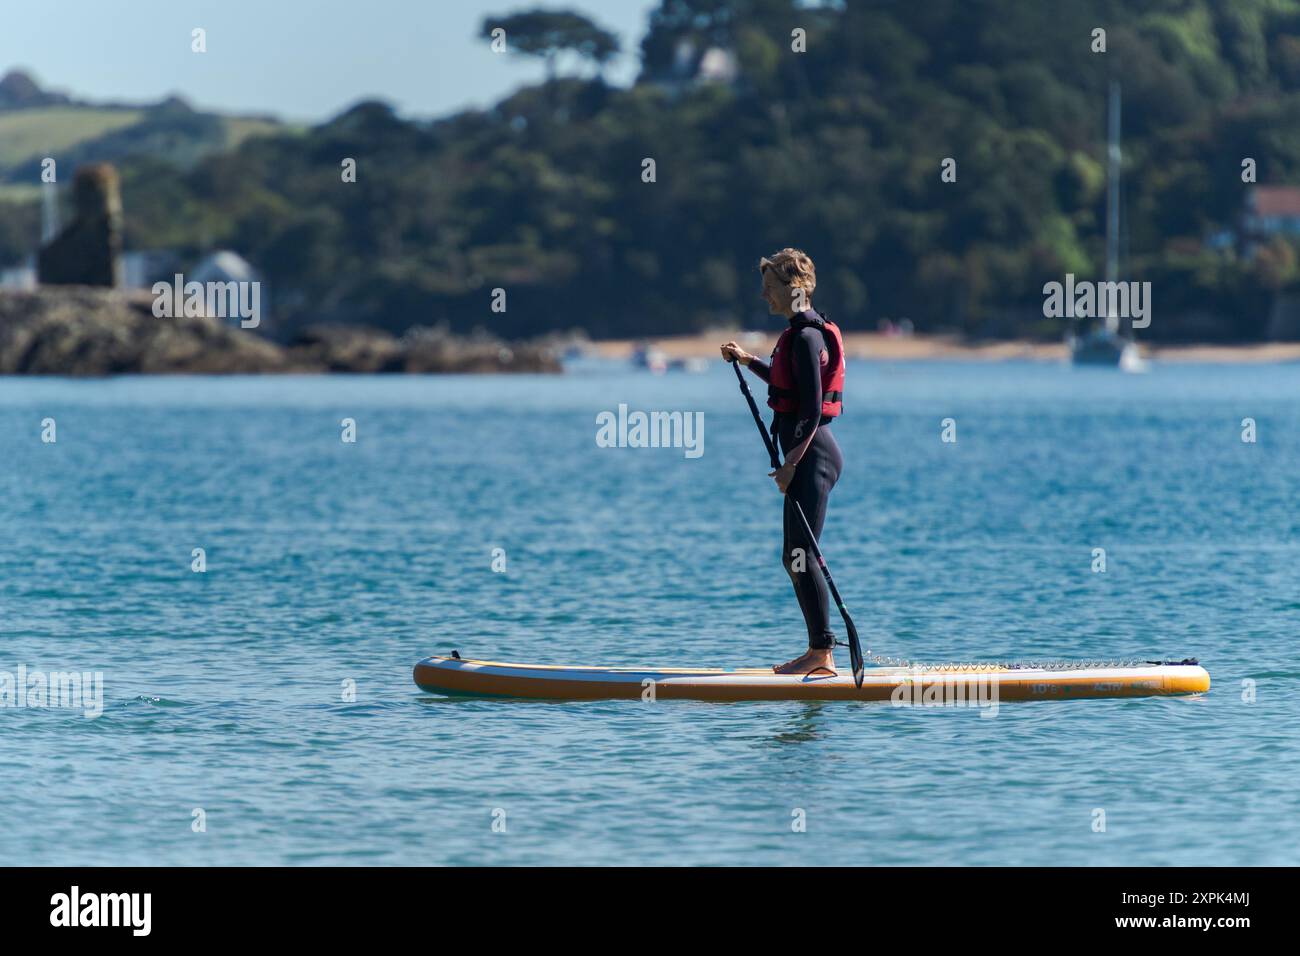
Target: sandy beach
{"points": [[872, 345]]}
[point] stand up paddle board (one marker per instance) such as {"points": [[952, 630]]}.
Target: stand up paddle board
{"points": [[914, 684]]}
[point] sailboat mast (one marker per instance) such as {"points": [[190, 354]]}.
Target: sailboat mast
{"points": [[1112, 196]]}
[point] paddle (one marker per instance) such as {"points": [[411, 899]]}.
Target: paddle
{"points": [[855, 647]]}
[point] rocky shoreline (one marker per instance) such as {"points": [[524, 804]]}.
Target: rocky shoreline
{"points": [[82, 331]]}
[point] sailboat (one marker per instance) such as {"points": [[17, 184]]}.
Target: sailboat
{"points": [[1106, 343]]}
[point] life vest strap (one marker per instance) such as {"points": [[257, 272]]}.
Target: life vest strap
{"points": [[791, 393]]}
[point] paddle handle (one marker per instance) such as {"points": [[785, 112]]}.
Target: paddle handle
{"points": [[758, 418]]}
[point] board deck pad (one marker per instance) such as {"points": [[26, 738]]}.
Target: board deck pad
{"points": [[916, 684]]}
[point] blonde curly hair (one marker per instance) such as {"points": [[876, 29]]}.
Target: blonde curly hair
{"points": [[793, 267]]}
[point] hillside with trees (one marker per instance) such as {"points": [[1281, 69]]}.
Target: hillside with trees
{"points": [[756, 146]]}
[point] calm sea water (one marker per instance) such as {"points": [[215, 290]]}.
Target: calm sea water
{"points": [[330, 563]]}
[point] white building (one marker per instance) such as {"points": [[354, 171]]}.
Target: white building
{"points": [[224, 266]]}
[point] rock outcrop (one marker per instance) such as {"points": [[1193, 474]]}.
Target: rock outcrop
{"points": [[85, 331], [80, 331], [347, 348]]}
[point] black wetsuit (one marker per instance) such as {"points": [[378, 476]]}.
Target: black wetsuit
{"points": [[814, 477]]}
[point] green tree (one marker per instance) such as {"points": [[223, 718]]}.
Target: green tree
{"points": [[549, 33]]}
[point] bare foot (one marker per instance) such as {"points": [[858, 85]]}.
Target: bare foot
{"points": [[806, 663]]}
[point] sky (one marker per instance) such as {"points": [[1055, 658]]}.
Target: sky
{"points": [[302, 60]]}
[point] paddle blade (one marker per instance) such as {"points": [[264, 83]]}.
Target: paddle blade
{"points": [[855, 651]]}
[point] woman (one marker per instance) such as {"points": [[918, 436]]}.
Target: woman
{"points": [[805, 380]]}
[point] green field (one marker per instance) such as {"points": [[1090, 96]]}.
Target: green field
{"points": [[44, 132], [239, 129], [28, 135], [19, 192]]}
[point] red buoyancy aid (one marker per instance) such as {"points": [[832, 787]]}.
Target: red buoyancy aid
{"points": [[781, 389]]}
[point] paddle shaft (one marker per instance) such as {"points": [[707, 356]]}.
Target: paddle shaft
{"points": [[855, 646]]}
